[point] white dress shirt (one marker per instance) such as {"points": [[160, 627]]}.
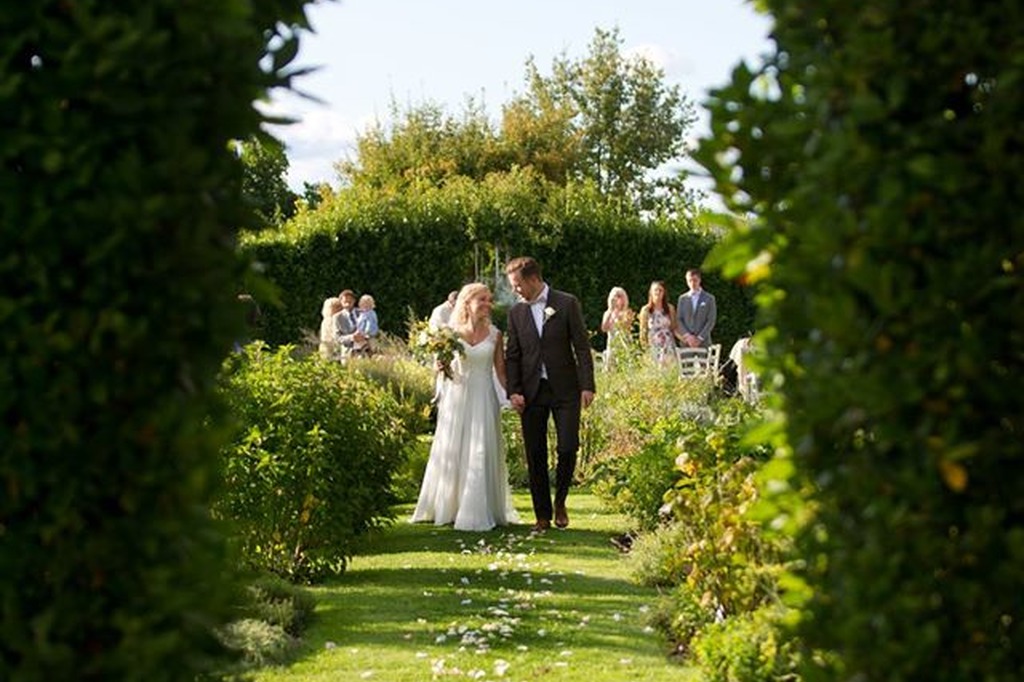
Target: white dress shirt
{"points": [[537, 308]]}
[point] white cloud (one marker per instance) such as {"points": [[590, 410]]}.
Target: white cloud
{"points": [[319, 138], [665, 58]]}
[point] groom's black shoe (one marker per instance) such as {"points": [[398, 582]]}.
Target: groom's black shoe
{"points": [[541, 526], [561, 517]]}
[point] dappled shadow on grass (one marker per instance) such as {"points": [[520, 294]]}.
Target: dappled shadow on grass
{"points": [[417, 594], [403, 606]]}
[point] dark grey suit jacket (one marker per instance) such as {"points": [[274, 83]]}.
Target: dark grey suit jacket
{"points": [[563, 348]]}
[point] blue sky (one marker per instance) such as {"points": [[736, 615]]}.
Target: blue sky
{"points": [[371, 52]]}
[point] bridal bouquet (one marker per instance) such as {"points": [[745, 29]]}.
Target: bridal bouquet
{"points": [[438, 345]]}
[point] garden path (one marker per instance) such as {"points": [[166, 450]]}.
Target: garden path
{"points": [[422, 603]]}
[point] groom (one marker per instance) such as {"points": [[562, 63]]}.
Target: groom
{"points": [[550, 374]]}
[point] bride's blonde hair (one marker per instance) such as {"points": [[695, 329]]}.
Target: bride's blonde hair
{"points": [[460, 321]]}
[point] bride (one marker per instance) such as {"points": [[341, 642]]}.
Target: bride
{"points": [[466, 480]]}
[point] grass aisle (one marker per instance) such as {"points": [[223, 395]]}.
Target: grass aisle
{"points": [[424, 603]]}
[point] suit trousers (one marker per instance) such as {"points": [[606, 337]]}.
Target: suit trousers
{"points": [[566, 415]]}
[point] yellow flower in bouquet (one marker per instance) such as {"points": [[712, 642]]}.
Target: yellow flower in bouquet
{"points": [[440, 345]]}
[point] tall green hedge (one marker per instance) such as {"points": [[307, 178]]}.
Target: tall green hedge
{"points": [[118, 207], [881, 150], [409, 250]]}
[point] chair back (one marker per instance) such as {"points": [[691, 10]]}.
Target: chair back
{"points": [[699, 362]]}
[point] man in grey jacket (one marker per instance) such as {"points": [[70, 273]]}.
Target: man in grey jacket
{"points": [[696, 312]]}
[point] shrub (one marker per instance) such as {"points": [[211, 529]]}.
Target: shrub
{"points": [[279, 603], [311, 467], [746, 648], [119, 206], [658, 557], [885, 171], [268, 627], [681, 616]]}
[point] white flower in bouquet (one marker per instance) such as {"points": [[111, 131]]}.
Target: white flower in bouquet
{"points": [[441, 345]]}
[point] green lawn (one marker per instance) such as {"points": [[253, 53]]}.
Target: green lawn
{"points": [[422, 603]]}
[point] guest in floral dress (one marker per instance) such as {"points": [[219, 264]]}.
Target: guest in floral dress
{"points": [[658, 324]]}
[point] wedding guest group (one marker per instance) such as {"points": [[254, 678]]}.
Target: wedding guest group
{"points": [[346, 329]]}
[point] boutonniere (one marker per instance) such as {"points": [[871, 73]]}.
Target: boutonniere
{"points": [[549, 312]]}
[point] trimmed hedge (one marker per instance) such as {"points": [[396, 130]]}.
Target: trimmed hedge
{"points": [[884, 161], [409, 250], [118, 207]]}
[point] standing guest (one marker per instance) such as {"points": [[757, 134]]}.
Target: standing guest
{"points": [[366, 324], [466, 480], [550, 375], [658, 324], [617, 323], [329, 348], [442, 313], [345, 323], [696, 313], [440, 316]]}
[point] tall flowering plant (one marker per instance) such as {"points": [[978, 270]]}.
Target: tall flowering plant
{"points": [[440, 345]]}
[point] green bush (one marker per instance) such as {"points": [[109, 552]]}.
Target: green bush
{"points": [[269, 625], [746, 648], [880, 151], [681, 616], [658, 557], [119, 206], [279, 603], [311, 467]]}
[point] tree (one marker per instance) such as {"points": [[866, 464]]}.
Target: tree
{"points": [[607, 119], [624, 120], [423, 144], [264, 182]]}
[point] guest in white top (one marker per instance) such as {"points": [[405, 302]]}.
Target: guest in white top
{"points": [[441, 314]]}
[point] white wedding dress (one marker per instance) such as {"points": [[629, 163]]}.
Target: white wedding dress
{"points": [[466, 481]]}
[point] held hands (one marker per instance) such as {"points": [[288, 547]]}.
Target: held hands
{"points": [[518, 402]]}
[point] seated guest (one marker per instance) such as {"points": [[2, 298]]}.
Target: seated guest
{"points": [[366, 325]]}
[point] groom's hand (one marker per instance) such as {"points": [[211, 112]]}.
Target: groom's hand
{"points": [[518, 402], [586, 397]]}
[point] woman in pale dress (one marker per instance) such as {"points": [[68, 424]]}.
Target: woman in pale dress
{"points": [[617, 323], [658, 324], [329, 347], [466, 480]]}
